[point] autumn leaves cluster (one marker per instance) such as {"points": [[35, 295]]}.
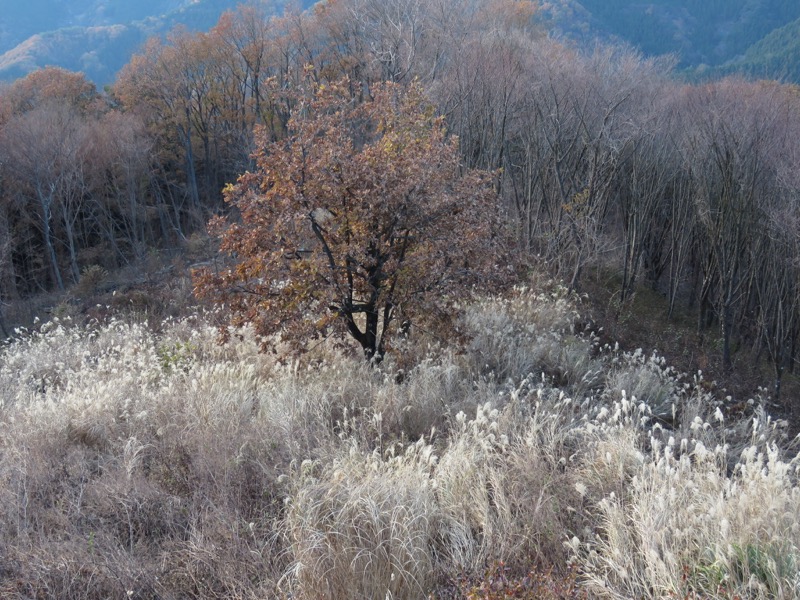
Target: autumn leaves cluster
{"points": [[359, 221]]}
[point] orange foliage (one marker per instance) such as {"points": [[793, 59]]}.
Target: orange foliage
{"points": [[50, 85], [360, 220]]}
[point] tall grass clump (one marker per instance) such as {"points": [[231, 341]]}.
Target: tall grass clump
{"points": [[698, 511], [136, 464], [364, 526], [532, 332], [520, 458]]}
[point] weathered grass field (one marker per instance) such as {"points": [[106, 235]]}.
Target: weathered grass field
{"points": [[158, 464]]}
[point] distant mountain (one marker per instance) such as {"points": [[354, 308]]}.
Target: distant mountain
{"points": [[99, 51], [95, 36], [709, 37], [776, 56], [712, 36]]}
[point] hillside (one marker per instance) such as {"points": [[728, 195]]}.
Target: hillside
{"points": [[96, 37], [776, 56], [715, 38], [397, 299], [97, 51], [699, 34], [22, 20], [528, 462]]}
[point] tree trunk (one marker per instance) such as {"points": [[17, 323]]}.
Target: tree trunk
{"points": [[46, 203]]}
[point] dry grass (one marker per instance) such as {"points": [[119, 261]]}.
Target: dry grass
{"points": [[154, 463]]}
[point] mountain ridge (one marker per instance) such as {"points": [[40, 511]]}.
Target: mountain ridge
{"points": [[98, 37], [706, 38], [711, 39], [775, 56]]}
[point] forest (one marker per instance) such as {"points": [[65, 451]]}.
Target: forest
{"points": [[604, 162], [708, 36], [325, 305], [776, 56]]}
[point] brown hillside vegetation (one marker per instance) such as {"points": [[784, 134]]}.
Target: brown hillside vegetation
{"points": [[442, 189], [605, 164], [149, 464]]}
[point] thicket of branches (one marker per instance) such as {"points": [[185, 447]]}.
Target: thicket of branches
{"points": [[606, 160]]}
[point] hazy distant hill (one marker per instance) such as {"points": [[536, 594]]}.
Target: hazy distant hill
{"points": [[757, 37], [776, 56], [97, 51], [94, 36], [701, 34], [20, 20]]}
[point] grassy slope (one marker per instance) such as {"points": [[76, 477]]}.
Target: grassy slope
{"points": [[140, 462], [643, 322]]}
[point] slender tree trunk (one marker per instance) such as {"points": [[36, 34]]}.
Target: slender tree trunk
{"points": [[73, 258], [191, 174], [726, 324], [46, 203]]}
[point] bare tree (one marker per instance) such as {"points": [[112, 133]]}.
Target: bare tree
{"points": [[8, 285], [578, 127], [727, 148], [117, 150], [41, 150]]}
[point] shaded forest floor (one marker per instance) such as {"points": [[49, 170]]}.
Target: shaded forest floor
{"points": [[643, 322]]}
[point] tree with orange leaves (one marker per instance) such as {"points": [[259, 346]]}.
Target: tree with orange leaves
{"points": [[362, 219]]}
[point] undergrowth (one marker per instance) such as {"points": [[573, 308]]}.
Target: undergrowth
{"points": [[528, 462]]}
